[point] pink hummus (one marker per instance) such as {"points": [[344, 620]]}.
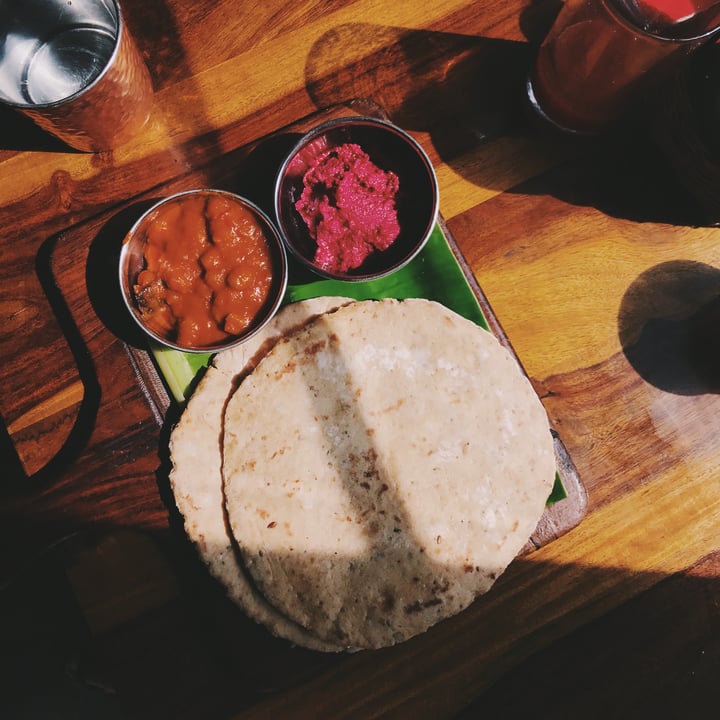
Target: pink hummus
{"points": [[348, 204]]}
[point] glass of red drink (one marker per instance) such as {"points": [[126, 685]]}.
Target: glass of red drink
{"points": [[600, 55]]}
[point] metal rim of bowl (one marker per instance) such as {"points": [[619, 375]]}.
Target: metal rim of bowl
{"points": [[279, 253], [324, 128]]}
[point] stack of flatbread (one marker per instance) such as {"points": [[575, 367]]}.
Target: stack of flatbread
{"points": [[360, 471]]}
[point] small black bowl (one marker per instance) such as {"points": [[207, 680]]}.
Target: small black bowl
{"points": [[390, 149]]}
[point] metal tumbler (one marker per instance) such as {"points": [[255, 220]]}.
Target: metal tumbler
{"points": [[74, 69]]}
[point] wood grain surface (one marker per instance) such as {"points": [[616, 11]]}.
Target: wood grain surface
{"points": [[602, 268]]}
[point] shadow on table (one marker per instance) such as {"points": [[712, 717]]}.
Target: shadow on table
{"points": [[658, 656], [128, 625], [472, 92], [668, 327], [21, 134], [462, 89]]}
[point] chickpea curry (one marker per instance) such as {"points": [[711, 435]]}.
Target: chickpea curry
{"points": [[208, 270]]}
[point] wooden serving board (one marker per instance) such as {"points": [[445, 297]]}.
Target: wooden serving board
{"points": [[121, 475]]}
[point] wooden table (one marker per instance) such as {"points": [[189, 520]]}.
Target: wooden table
{"points": [[602, 269]]}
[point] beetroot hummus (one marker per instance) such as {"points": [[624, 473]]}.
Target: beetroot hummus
{"points": [[348, 204]]}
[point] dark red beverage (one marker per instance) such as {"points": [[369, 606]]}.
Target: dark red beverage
{"points": [[601, 54]]}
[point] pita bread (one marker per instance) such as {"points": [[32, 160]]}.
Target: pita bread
{"points": [[196, 480], [382, 467]]}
